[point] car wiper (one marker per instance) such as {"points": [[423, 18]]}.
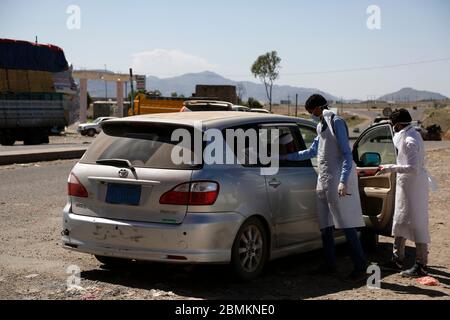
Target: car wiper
{"points": [[121, 163]]}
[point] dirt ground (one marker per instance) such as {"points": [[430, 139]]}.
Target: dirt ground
{"points": [[34, 266]]}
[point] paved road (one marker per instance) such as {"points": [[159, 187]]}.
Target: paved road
{"points": [[415, 114], [68, 140], [40, 147]]}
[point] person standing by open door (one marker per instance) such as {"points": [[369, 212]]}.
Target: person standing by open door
{"points": [[411, 198], [338, 201]]}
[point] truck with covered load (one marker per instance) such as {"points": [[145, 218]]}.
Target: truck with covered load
{"points": [[37, 92]]}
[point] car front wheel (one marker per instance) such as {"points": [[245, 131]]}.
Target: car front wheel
{"points": [[249, 253]]}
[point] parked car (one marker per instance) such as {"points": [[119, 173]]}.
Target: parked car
{"points": [[128, 200], [259, 110], [92, 128], [240, 108], [379, 119]]}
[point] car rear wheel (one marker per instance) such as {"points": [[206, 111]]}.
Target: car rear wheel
{"points": [[249, 253], [91, 132]]}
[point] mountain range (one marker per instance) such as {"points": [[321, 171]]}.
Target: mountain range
{"points": [[410, 94], [185, 85]]}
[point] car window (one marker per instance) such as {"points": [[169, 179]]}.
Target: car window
{"points": [[378, 140], [247, 154], [144, 145], [285, 147], [308, 135]]}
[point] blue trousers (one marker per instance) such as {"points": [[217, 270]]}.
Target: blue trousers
{"points": [[356, 251]]}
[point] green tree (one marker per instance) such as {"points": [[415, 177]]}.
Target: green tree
{"points": [[135, 92], [252, 103], [154, 93], [174, 94], [266, 68]]}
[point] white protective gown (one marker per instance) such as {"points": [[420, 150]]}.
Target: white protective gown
{"points": [[411, 196], [341, 212]]}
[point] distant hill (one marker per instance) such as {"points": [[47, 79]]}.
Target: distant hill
{"points": [[411, 95], [185, 84]]}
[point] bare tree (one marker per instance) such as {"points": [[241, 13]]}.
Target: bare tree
{"points": [[240, 91]]}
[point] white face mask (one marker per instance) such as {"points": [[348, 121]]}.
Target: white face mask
{"points": [[315, 118]]}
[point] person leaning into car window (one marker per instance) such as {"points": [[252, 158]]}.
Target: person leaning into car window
{"points": [[338, 201], [287, 145], [411, 196]]}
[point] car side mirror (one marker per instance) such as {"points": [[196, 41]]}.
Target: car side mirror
{"points": [[370, 159]]}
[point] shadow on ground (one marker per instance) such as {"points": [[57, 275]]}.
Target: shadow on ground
{"points": [[285, 278]]}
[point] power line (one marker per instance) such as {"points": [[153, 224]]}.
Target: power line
{"points": [[370, 68], [391, 66]]}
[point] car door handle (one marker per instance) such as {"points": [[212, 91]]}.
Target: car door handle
{"points": [[274, 183]]}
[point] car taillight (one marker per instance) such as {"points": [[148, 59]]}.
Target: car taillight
{"points": [[75, 188], [196, 193]]}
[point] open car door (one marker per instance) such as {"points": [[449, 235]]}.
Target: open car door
{"points": [[374, 147]]}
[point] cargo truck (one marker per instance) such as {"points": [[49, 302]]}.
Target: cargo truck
{"points": [[145, 104], [37, 92]]}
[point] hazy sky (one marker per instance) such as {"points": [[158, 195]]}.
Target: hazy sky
{"points": [[172, 37]]}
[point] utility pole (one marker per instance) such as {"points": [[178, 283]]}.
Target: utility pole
{"points": [[289, 105], [106, 87], [132, 94], [36, 40], [296, 104]]}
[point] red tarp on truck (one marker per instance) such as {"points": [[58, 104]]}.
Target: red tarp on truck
{"points": [[24, 55]]}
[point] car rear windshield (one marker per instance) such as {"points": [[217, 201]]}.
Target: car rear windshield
{"points": [[146, 145]]}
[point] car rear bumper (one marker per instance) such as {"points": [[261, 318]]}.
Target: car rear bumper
{"points": [[201, 238]]}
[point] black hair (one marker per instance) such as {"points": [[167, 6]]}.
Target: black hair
{"points": [[316, 100], [400, 116]]}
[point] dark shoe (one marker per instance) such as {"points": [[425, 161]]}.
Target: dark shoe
{"points": [[392, 265], [417, 271], [356, 276], [323, 270]]}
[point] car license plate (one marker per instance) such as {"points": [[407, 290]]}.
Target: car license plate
{"points": [[123, 194]]}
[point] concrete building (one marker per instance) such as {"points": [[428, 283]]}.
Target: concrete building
{"points": [[217, 92]]}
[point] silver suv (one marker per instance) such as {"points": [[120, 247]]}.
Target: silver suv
{"points": [[129, 200]]}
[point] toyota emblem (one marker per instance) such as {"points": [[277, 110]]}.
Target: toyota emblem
{"points": [[123, 173]]}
